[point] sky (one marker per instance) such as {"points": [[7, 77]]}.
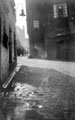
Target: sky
{"points": [[21, 20]]}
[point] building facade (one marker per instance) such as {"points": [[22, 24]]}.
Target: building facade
{"points": [[8, 58], [51, 29]]}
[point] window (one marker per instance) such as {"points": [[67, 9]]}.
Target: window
{"points": [[5, 39], [60, 10], [36, 24], [55, 11]]}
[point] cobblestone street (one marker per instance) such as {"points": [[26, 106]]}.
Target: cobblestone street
{"points": [[39, 93]]}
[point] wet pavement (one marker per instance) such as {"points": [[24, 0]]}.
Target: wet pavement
{"points": [[39, 94]]}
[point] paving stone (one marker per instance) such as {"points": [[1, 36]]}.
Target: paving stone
{"points": [[49, 93]]}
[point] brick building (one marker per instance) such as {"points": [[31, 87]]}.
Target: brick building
{"points": [[7, 39]]}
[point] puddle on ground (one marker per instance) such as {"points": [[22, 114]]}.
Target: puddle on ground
{"points": [[26, 102], [18, 103]]}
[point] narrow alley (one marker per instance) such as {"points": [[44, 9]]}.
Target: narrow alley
{"points": [[37, 60], [39, 93]]}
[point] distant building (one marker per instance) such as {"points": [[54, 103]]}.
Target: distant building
{"points": [[20, 36], [22, 42], [7, 39]]}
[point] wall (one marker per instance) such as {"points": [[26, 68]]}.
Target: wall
{"points": [[54, 31], [21, 36], [8, 19]]}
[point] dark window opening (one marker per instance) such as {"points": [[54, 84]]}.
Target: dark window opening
{"points": [[5, 39], [10, 46], [0, 30], [14, 46]]}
